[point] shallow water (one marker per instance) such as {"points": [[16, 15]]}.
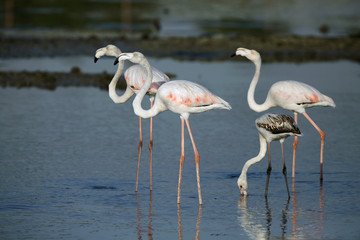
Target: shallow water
{"points": [[68, 161], [186, 18]]}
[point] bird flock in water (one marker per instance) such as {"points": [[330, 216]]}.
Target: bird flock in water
{"points": [[185, 97]]}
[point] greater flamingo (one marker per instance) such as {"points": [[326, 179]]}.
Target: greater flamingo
{"points": [[181, 97], [271, 127], [291, 95], [134, 77]]}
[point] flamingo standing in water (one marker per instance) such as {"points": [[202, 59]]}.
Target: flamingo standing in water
{"points": [[291, 95], [271, 127], [135, 77], [179, 96]]}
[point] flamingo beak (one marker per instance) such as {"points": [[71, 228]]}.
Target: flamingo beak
{"points": [[116, 61], [122, 57], [243, 192], [95, 59]]}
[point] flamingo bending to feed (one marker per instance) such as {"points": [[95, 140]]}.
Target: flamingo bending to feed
{"points": [[181, 97], [134, 77], [271, 127], [291, 95]]}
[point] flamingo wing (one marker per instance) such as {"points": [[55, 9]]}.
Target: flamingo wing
{"points": [[292, 95], [277, 123], [182, 94]]}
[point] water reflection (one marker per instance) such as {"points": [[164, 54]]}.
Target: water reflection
{"points": [[9, 13], [318, 219], [140, 221], [197, 223], [254, 229], [257, 222], [249, 221], [150, 228], [191, 18], [126, 16]]}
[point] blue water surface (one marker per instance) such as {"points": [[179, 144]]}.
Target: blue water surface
{"points": [[68, 161]]}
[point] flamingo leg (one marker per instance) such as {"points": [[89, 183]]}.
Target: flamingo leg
{"points": [[197, 159], [284, 167], [268, 171], [139, 147], [181, 161], [322, 137], [295, 143], [150, 147], [179, 222]]}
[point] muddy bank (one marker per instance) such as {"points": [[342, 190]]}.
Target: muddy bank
{"points": [[213, 48], [219, 47], [51, 80]]}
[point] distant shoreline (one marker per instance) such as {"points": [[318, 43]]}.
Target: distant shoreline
{"points": [[214, 48], [273, 48]]}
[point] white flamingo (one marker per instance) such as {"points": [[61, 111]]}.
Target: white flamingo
{"points": [[291, 95], [181, 97], [271, 127], [135, 77]]}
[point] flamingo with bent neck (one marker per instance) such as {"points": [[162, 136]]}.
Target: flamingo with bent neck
{"points": [[134, 77], [290, 95], [271, 127], [179, 96]]}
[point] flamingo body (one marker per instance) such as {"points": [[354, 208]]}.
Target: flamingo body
{"points": [[297, 96], [184, 97], [274, 127], [135, 78]]}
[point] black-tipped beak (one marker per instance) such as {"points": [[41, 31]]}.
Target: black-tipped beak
{"points": [[116, 61], [233, 55], [95, 59]]}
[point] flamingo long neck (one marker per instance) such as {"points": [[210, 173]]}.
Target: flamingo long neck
{"points": [[251, 92], [140, 95], [254, 160], [112, 86]]}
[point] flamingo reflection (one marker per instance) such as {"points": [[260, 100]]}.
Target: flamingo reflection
{"points": [[299, 231], [140, 229], [139, 215], [197, 223], [249, 220]]}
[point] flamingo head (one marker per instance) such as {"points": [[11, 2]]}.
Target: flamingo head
{"points": [[109, 50], [135, 57], [252, 55], [242, 184]]}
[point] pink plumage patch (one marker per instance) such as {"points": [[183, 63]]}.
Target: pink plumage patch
{"points": [[314, 98]]}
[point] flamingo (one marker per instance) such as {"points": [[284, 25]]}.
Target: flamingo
{"points": [[179, 96], [134, 77], [291, 95], [271, 127]]}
